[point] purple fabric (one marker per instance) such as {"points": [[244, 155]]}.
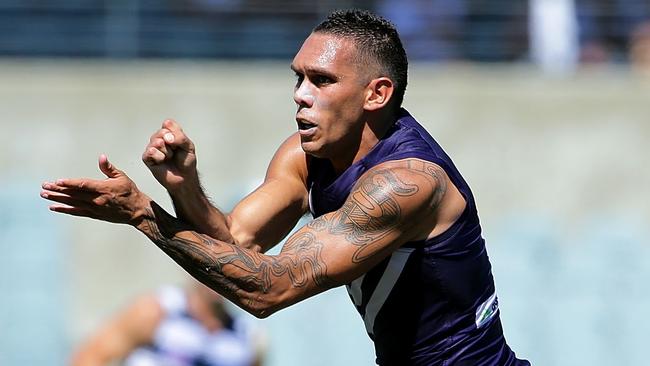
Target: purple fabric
{"points": [[431, 313]]}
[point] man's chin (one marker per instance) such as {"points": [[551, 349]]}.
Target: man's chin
{"points": [[311, 149]]}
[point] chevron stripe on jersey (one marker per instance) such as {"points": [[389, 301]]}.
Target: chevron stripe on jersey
{"points": [[380, 292]]}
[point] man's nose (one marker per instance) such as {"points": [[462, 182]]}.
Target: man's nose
{"points": [[303, 96]]}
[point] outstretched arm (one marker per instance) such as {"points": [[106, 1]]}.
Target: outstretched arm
{"points": [[133, 327], [390, 205], [260, 220]]}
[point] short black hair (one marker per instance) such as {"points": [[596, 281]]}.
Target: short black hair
{"points": [[376, 39]]}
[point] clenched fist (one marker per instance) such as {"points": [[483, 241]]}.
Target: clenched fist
{"points": [[171, 158]]}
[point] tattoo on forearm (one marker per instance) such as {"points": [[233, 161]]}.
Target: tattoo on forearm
{"points": [[230, 269], [370, 213]]}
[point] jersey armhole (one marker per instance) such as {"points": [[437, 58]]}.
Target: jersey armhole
{"points": [[459, 183]]}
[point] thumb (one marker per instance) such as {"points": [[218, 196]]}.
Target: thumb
{"points": [[107, 168]]}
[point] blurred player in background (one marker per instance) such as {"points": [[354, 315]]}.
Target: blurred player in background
{"points": [[174, 327], [394, 220]]}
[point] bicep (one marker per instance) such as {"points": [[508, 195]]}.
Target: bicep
{"points": [[387, 208], [267, 215]]}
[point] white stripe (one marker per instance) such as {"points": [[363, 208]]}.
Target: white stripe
{"points": [[385, 286], [311, 206], [354, 289]]}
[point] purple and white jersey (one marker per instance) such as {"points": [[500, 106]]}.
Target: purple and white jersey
{"points": [[431, 302]]}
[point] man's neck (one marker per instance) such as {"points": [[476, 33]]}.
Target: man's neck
{"points": [[371, 134]]}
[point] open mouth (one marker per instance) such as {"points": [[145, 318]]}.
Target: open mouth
{"points": [[304, 125]]}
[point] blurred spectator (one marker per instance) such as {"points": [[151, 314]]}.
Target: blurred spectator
{"points": [[496, 30], [174, 327], [429, 29], [640, 48], [446, 30], [605, 27], [441, 30], [217, 5]]}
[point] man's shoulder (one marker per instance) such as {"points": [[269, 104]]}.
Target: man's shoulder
{"points": [[421, 179], [410, 165], [289, 159], [291, 148]]}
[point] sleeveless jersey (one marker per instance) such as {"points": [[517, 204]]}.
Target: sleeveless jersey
{"points": [[181, 340], [431, 302]]}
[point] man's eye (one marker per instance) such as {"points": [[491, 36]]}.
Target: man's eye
{"points": [[321, 80], [299, 79]]}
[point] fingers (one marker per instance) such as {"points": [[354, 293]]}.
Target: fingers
{"points": [[107, 168], [55, 189], [73, 184], [70, 195], [114, 199], [71, 210], [173, 135], [74, 211], [76, 202], [156, 152], [69, 201], [70, 198], [167, 142]]}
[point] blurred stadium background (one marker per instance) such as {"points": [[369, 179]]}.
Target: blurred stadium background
{"points": [[543, 105]]}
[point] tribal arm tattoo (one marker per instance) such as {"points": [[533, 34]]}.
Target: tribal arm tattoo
{"points": [[374, 208], [250, 279], [332, 250]]}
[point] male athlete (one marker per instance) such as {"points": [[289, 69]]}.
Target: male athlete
{"points": [[174, 326], [394, 220]]}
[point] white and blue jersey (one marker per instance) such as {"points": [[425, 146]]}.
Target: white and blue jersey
{"points": [[181, 340]]}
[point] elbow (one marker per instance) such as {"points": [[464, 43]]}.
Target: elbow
{"points": [[264, 306], [261, 313], [262, 310], [243, 238]]}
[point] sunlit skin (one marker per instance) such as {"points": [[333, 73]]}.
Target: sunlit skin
{"points": [[343, 109], [336, 100]]}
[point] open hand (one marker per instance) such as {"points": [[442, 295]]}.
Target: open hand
{"points": [[171, 157], [114, 199]]}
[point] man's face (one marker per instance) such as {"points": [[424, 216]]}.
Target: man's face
{"points": [[330, 93]]}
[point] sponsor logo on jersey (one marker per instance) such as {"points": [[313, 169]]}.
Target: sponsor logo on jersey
{"points": [[487, 310]]}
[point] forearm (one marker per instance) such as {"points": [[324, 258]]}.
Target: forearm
{"points": [[260, 284], [89, 359], [96, 353], [193, 207]]}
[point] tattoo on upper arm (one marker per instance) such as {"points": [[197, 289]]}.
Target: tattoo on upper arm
{"points": [[372, 211], [435, 174]]}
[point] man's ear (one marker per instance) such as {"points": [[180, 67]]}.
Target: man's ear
{"points": [[378, 93]]}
